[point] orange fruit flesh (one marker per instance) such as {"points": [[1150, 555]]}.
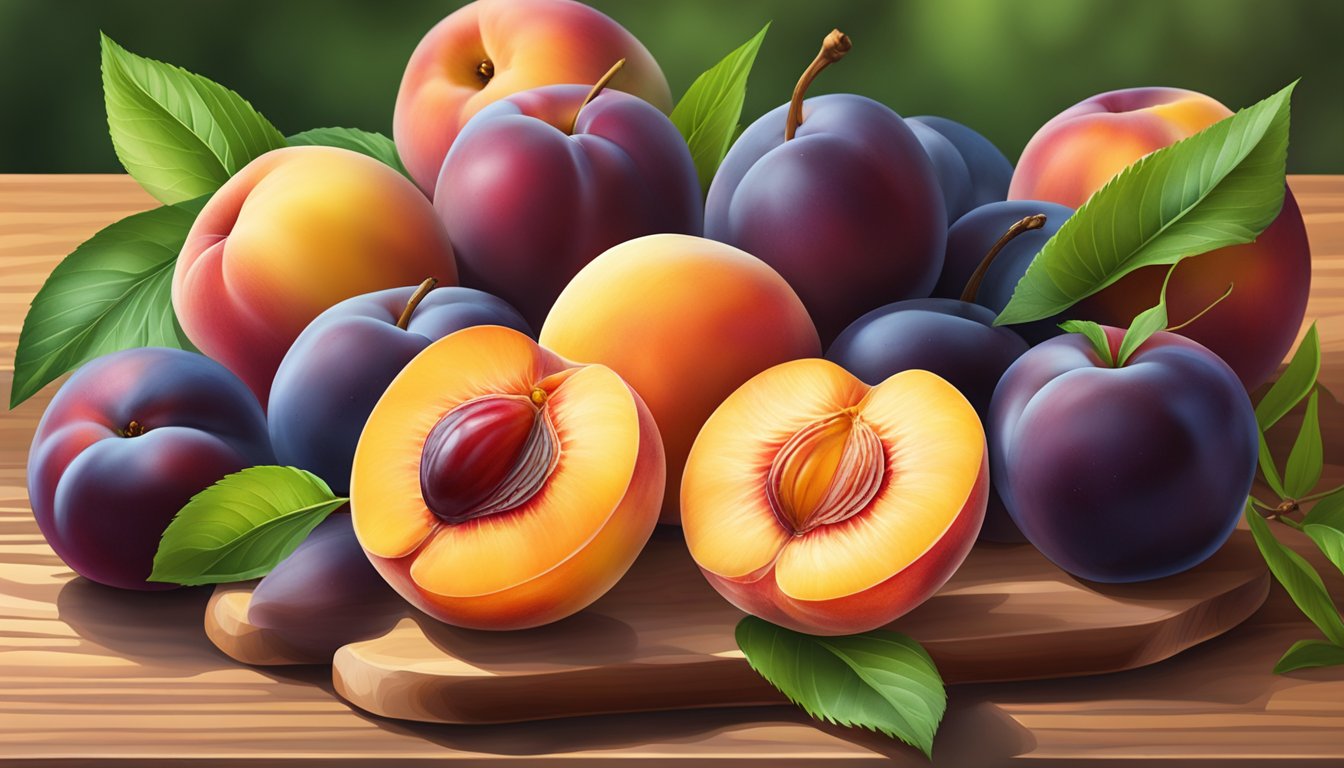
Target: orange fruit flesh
{"points": [[932, 456], [597, 423]]}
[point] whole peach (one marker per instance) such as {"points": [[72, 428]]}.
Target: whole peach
{"points": [[685, 321], [294, 232], [490, 49], [1083, 147]]}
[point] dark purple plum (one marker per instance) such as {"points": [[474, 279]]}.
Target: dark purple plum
{"points": [[529, 194], [973, 235], [125, 444], [338, 367], [839, 197], [326, 593], [1123, 474], [954, 339], [971, 170]]}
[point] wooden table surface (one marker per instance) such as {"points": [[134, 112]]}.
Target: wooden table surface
{"points": [[90, 675]]}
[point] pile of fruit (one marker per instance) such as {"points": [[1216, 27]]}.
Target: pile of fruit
{"points": [[563, 325]]}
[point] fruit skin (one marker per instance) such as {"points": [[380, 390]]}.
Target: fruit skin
{"points": [[973, 235], [1128, 474], [326, 593], [685, 321], [971, 170], [953, 339], [849, 211], [529, 43], [527, 204], [1077, 151], [101, 500], [336, 370], [294, 232], [561, 546], [854, 573]]}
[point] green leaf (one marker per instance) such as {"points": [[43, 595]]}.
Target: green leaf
{"points": [[708, 113], [880, 680], [242, 526], [375, 145], [179, 134], [1305, 460], [1309, 653], [1298, 578], [1271, 472], [1330, 540], [1219, 187], [1329, 510], [1146, 323], [1297, 380], [1094, 334], [113, 292]]}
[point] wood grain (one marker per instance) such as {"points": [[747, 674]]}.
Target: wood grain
{"points": [[663, 639], [93, 676]]}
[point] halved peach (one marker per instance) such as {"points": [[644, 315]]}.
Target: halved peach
{"points": [[498, 486], [830, 507]]}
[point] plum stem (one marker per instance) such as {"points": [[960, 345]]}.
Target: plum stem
{"points": [[1035, 221], [833, 49], [133, 429], [417, 297], [601, 83]]}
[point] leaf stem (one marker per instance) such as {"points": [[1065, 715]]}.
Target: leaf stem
{"points": [[1322, 494]]}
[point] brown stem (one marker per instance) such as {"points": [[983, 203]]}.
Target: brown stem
{"points": [[833, 49], [1035, 221], [485, 71], [416, 298], [133, 429], [596, 89]]}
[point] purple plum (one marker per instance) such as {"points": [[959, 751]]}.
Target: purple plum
{"points": [[338, 367], [539, 183], [326, 593], [971, 170], [125, 444], [954, 339], [837, 194], [1123, 474]]}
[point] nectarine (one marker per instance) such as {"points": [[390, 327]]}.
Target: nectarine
{"points": [[498, 486], [685, 321], [830, 507]]}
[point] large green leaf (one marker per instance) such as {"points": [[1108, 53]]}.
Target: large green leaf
{"points": [[375, 145], [1298, 578], [879, 680], [179, 134], [1298, 379], [708, 113], [113, 292], [1220, 187], [242, 526], [1309, 653]]}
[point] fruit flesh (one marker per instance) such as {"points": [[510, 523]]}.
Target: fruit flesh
{"points": [[537, 561], [876, 558]]}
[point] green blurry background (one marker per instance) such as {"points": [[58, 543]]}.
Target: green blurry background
{"points": [[1002, 67]]}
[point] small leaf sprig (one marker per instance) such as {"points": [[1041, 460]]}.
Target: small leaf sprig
{"points": [[1294, 487]]}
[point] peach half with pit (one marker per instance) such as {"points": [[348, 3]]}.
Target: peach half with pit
{"points": [[498, 486], [827, 506]]}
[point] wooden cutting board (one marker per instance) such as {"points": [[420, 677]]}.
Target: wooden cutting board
{"points": [[663, 639]]}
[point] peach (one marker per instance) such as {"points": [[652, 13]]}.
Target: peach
{"points": [[830, 507], [490, 49], [685, 321], [294, 232], [499, 486], [1083, 147]]}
